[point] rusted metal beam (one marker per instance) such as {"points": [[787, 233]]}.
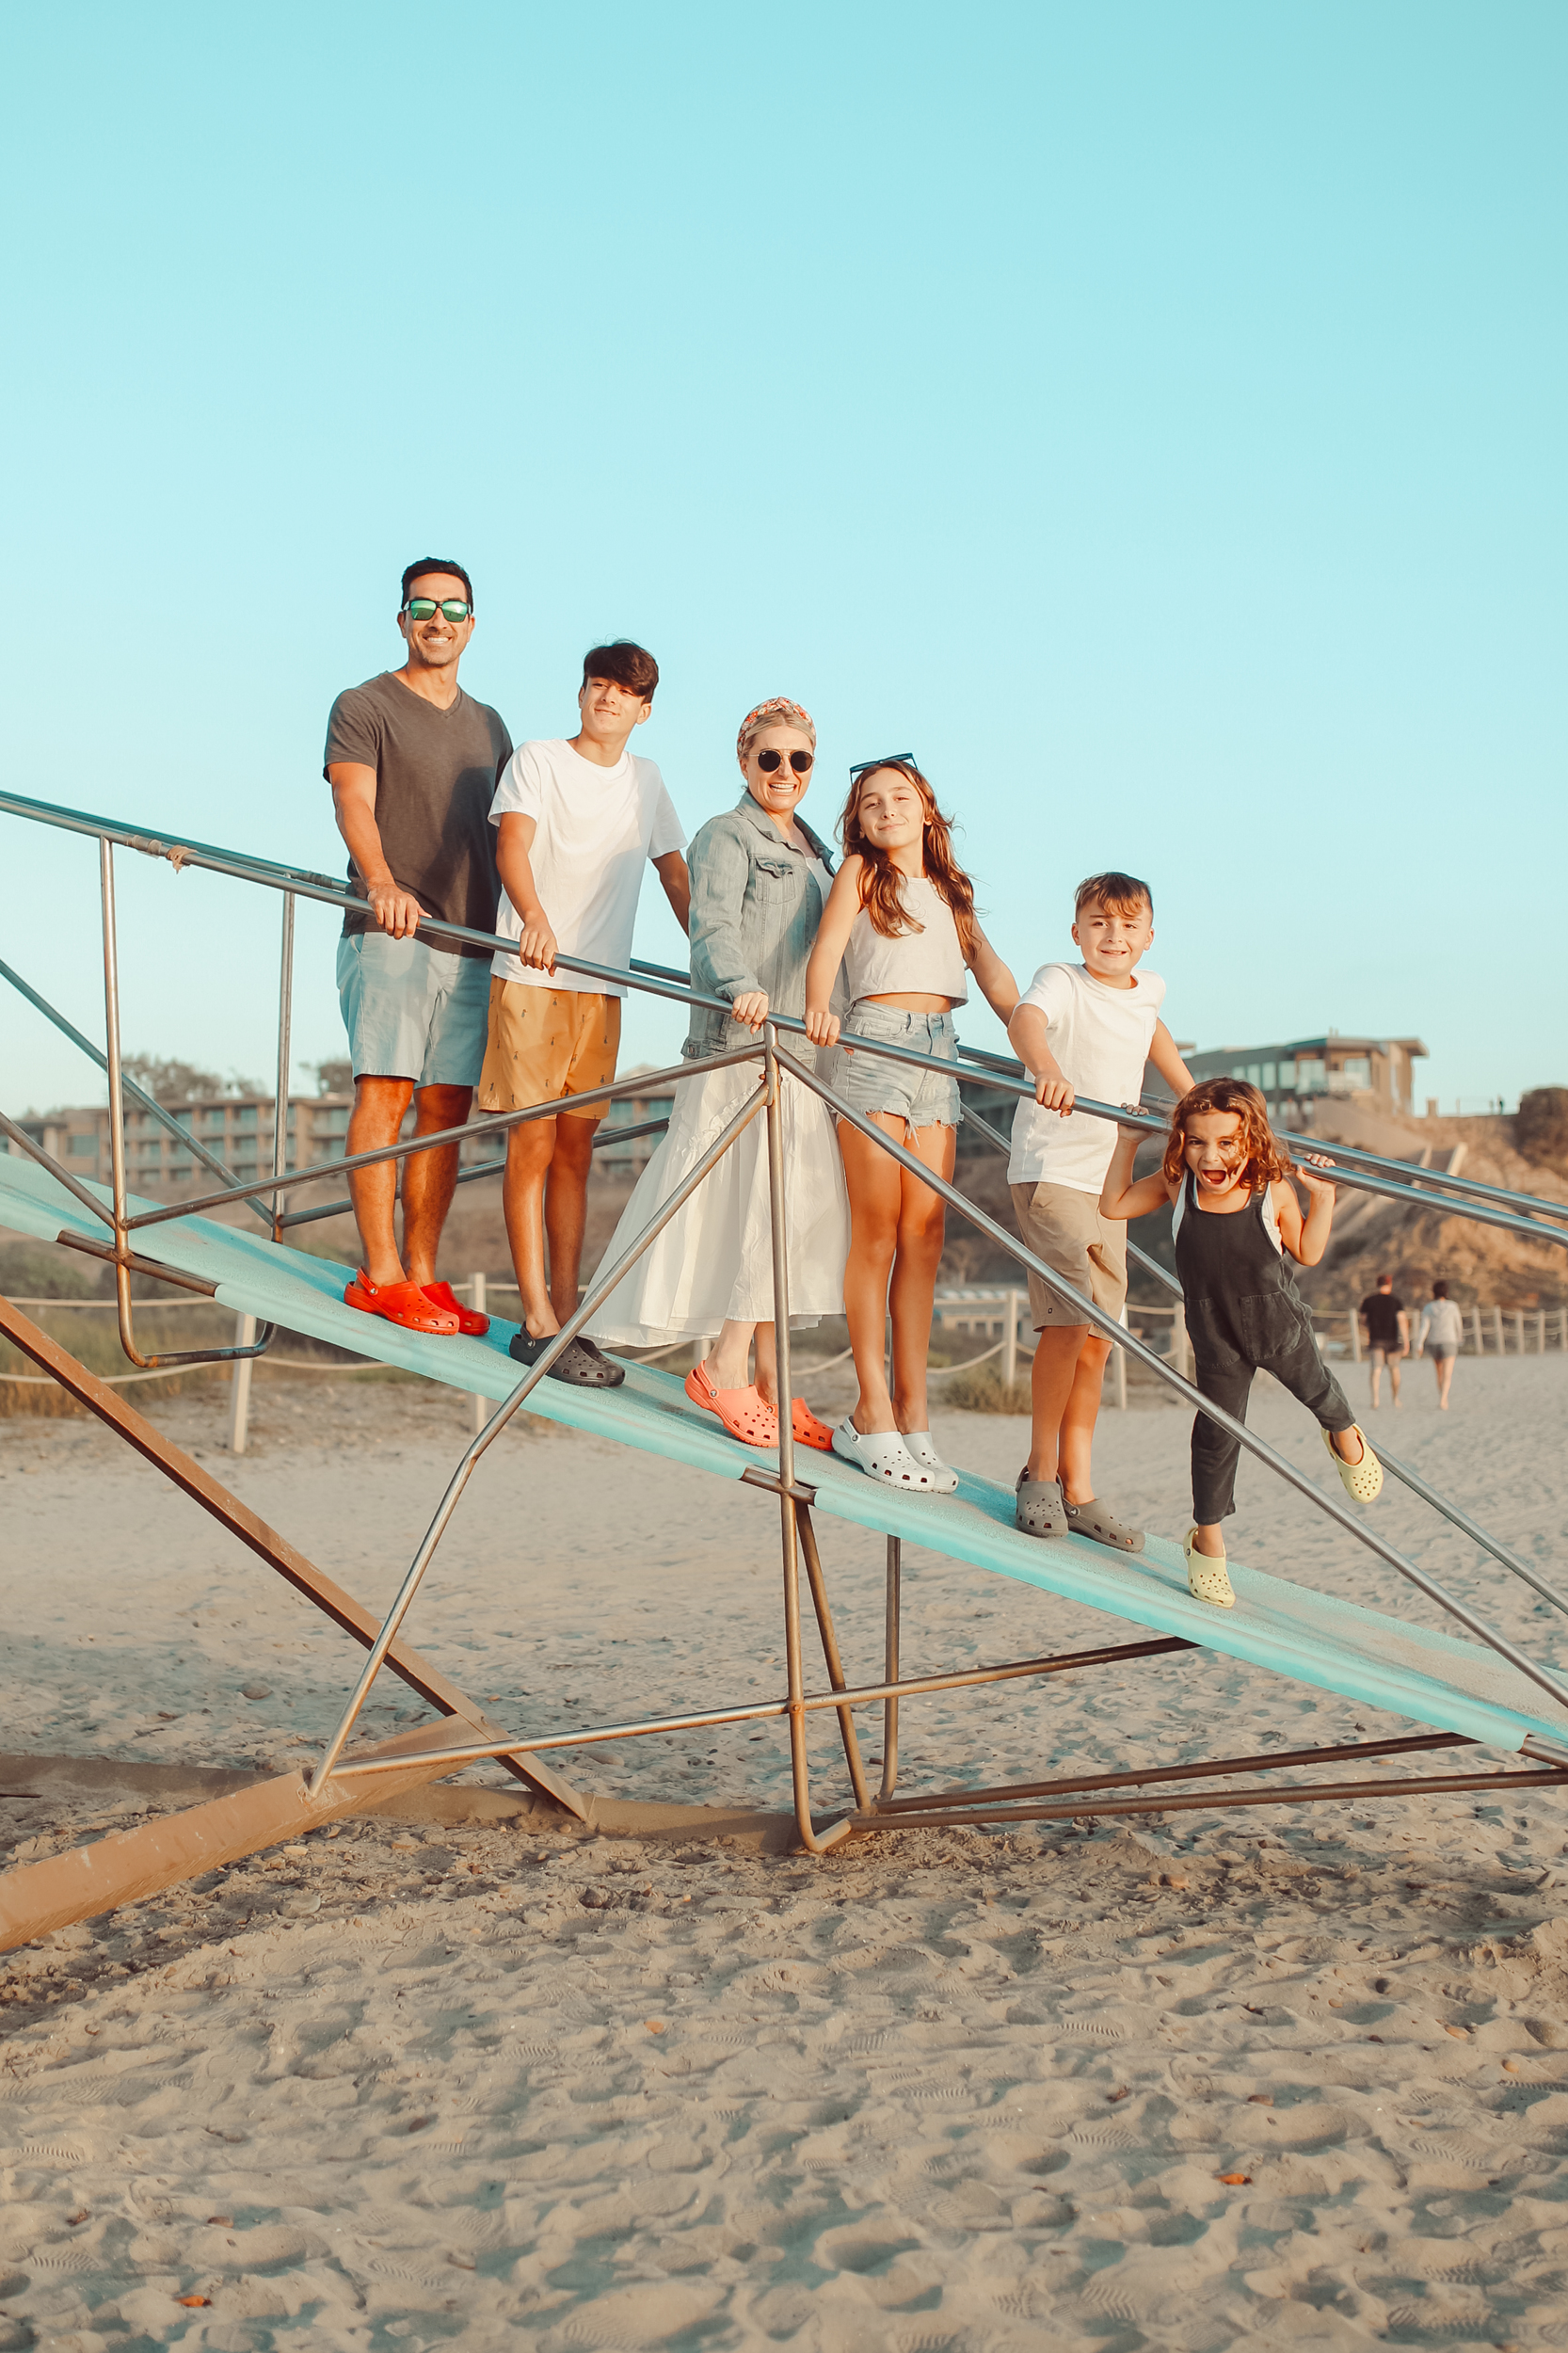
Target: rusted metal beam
{"points": [[275, 1550], [1292, 1793], [37, 1898]]}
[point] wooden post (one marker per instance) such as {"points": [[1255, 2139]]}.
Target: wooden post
{"points": [[1540, 1333], [482, 1405], [1476, 1337], [1519, 1331], [1355, 1336], [1009, 1342], [1498, 1330], [239, 1385]]}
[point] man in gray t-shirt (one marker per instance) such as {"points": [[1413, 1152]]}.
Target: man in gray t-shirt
{"points": [[412, 762]]}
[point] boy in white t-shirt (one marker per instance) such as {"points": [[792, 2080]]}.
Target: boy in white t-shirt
{"points": [[1080, 1029], [578, 821]]}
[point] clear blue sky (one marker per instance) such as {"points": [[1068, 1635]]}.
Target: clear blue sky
{"points": [[1154, 417]]}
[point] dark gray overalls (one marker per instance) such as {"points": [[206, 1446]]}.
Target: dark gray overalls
{"points": [[1243, 1314]]}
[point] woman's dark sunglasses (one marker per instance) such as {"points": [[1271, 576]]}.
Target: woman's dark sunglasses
{"points": [[424, 608], [799, 762]]}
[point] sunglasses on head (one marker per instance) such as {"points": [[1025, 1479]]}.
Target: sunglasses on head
{"points": [[424, 608], [888, 759], [799, 762]]}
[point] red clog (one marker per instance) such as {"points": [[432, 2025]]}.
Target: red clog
{"points": [[401, 1303], [469, 1322]]}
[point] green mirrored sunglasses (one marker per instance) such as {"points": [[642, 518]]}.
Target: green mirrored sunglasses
{"points": [[422, 608]]}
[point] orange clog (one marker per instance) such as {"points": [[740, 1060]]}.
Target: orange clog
{"points": [[807, 1429], [401, 1303], [742, 1412], [469, 1322]]}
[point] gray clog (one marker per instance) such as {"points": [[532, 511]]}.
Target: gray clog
{"points": [[1040, 1508], [1097, 1521]]}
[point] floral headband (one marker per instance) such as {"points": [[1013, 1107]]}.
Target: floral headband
{"points": [[777, 712]]}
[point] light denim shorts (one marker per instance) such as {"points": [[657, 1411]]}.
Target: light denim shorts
{"points": [[923, 1098], [413, 1012]]}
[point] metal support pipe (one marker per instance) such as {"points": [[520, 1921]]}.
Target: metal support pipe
{"points": [[603, 1285], [1474, 1530], [1121, 1338], [476, 1169], [789, 1532], [831, 1652], [34, 1151], [286, 1021], [123, 1254], [493, 1123], [892, 1604], [160, 1112]]}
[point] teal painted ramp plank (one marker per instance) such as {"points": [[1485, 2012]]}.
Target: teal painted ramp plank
{"points": [[1435, 1678]]}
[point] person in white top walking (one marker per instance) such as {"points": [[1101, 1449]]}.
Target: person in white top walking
{"points": [[1080, 1029], [1440, 1336], [901, 920], [578, 820]]}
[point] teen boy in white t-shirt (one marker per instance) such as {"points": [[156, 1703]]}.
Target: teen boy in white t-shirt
{"points": [[578, 821], [1080, 1029]]}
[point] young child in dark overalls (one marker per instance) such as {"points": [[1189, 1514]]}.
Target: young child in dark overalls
{"points": [[1237, 1223]]}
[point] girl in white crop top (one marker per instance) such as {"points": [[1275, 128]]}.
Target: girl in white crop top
{"points": [[901, 920]]}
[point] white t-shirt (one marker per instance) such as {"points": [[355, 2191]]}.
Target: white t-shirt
{"points": [[596, 829], [1101, 1038]]}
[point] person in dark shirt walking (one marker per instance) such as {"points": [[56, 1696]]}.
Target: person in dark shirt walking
{"points": [[1387, 1335], [412, 762]]}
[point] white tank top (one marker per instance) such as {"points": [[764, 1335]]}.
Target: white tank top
{"points": [[927, 963]]}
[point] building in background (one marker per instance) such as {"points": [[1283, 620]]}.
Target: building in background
{"points": [[1375, 1073]]}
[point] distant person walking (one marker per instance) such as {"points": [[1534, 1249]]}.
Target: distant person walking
{"points": [[1440, 1336], [412, 762], [1387, 1335]]}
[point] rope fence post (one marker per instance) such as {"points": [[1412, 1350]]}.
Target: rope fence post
{"points": [[239, 1385], [1353, 1320], [1009, 1342], [1497, 1330], [1118, 1358], [1477, 1339]]}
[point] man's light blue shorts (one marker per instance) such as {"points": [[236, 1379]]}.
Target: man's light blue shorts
{"points": [[413, 1012]]}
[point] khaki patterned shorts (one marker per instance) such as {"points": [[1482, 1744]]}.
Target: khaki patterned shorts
{"points": [[545, 1042], [1064, 1228]]}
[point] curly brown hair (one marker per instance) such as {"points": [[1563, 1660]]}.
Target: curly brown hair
{"points": [[1267, 1157], [881, 882]]}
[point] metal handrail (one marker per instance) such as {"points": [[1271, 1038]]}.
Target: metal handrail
{"points": [[654, 980]]}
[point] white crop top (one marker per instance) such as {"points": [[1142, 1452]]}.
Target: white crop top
{"points": [[927, 963]]}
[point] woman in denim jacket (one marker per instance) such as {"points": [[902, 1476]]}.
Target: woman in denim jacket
{"points": [[759, 881]]}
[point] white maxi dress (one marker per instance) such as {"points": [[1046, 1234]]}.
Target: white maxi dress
{"points": [[712, 1264]]}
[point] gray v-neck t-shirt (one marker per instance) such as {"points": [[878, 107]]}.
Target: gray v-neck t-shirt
{"points": [[436, 775]]}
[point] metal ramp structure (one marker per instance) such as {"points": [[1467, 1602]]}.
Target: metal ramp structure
{"points": [[1462, 1691]]}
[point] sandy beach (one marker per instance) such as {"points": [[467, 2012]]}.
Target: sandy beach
{"points": [[455, 2072]]}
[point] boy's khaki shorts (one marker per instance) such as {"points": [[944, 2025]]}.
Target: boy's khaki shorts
{"points": [[546, 1041], [1064, 1228]]}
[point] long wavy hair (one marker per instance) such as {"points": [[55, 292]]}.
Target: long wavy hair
{"points": [[1266, 1157], [880, 880]]}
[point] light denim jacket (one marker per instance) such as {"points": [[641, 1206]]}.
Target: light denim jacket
{"points": [[755, 912]]}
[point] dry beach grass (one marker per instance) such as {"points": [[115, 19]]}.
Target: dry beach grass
{"points": [[1190, 2081]]}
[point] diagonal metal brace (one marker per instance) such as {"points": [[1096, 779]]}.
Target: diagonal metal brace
{"points": [[275, 1550]]}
